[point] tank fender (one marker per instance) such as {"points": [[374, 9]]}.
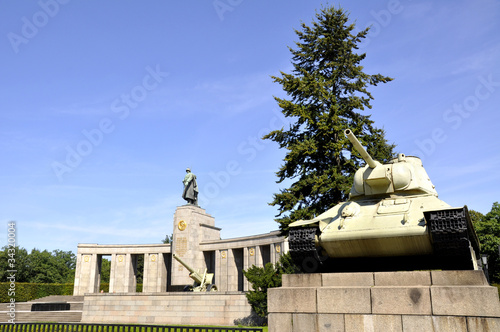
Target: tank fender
{"points": [[326, 217], [298, 223]]}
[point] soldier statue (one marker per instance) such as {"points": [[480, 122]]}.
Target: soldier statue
{"points": [[190, 193]]}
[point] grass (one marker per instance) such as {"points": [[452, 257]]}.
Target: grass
{"points": [[121, 328], [498, 287]]}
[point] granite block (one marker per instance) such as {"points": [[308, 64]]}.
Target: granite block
{"points": [[407, 278], [280, 322], [414, 323], [331, 323], [401, 300], [348, 279], [301, 280], [291, 300], [304, 322], [482, 324], [458, 278], [449, 324], [465, 301], [373, 323], [344, 300]]}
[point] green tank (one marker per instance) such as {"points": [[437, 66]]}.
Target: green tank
{"points": [[393, 220]]}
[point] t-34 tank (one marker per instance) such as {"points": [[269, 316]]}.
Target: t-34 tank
{"points": [[393, 220]]}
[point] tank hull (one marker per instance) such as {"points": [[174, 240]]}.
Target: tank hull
{"points": [[379, 228], [422, 232]]}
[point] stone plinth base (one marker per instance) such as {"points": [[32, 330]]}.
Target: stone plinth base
{"points": [[385, 301], [216, 308], [192, 225]]}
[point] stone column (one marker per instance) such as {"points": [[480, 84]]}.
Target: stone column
{"points": [[155, 273], [232, 272], [149, 274], [78, 272], [86, 274], [246, 265], [284, 246], [122, 274], [276, 252], [192, 225], [112, 273], [95, 273], [161, 277], [258, 257], [221, 267], [130, 277]]}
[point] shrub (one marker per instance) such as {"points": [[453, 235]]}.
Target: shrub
{"points": [[30, 291], [262, 278]]}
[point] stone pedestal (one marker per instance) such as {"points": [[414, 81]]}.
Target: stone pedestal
{"points": [[176, 308], [192, 225], [385, 301]]}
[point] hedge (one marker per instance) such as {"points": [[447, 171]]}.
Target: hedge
{"points": [[30, 291]]}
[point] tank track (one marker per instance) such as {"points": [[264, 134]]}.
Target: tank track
{"points": [[452, 236], [302, 248]]}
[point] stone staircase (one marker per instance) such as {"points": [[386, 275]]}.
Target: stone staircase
{"points": [[23, 311]]}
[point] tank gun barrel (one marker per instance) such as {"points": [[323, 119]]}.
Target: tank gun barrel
{"points": [[357, 145]]}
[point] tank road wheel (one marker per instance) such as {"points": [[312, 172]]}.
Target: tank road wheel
{"points": [[310, 264], [453, 238], [303, 249], [211, 288]]}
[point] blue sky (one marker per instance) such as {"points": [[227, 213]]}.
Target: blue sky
{"points": [[103, 104]]}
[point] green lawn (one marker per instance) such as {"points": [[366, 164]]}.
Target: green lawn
{"points": [[121, 328]]}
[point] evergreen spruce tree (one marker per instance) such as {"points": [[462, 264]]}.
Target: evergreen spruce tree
{"points": [[327, 89]]}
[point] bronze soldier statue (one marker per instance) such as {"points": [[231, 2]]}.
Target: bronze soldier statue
{"points": [[190, 193]]}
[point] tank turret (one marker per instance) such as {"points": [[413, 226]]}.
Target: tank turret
{"points": [[403, 174], [393, 214]]}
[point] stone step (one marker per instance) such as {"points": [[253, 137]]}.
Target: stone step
{"points": [[19, 306], [26, 306], [24, 314], [44, 316], [59, 298]]}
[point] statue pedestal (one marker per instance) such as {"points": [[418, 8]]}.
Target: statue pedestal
{"points": [[192, 225], [385, 301]]}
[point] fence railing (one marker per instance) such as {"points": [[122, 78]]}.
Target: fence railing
{"points": [[79, 327]]}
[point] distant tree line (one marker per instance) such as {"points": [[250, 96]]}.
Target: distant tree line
{"points": [[38, 266]]}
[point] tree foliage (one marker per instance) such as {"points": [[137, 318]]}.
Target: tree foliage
{"points": [[39, 266], [488, 231], [326, 89], [168, 239], [262, 278], [105, 270]]}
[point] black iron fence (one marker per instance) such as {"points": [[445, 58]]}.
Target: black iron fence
{"points": [[78, 327]]}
